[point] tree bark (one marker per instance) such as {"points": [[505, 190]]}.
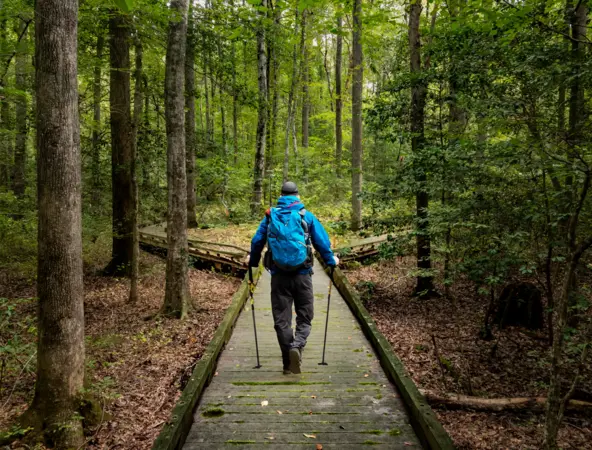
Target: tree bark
{"points": [[209, 125], [96, 136], [458, 401], [261, 115], [304, 75], [177, 286], [556, 403], [356, 217], [138, 101], [60, 346], [234, 97], [6, 143], [291, 106], [20, 147], [338, 98], [424, 285], [122, 145], [190, 121]]}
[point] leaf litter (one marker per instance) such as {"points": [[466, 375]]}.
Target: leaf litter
{"points": [[519, 367], [138, 367]]}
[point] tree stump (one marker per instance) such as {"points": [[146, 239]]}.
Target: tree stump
{"points": [[520, 304]]}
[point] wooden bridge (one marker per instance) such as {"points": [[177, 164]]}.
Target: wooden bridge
{"points": [[233, 256], [346, 404]]}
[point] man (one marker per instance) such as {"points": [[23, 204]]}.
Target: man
{"points": [[290, 230]]}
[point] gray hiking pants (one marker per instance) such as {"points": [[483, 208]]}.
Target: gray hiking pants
{"points": [[285, 290]]}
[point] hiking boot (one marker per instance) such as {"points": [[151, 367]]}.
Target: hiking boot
{"points": [[295, 360], [287, 371]]}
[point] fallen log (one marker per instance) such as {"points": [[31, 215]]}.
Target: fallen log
{"points": [[459, 401]]}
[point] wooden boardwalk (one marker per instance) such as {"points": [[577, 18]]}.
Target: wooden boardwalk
{"points": [[348, 404]]}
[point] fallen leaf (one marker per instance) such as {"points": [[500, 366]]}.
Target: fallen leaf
{"points": [[319, 447], [342, 427], [279, 412], [313, 396], [264, 403], [365, 375], [216, 374], [311, 436], [310, 413], [410, 444], [271, 438]]}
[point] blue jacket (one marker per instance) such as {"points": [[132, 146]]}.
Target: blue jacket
{"points": [[318, 235]]}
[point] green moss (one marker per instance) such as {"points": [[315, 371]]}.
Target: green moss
{"points": [[213, 412], [368, 383], [378, 396], [358, 350], [369, 355], [375, 432], [278, 383], [371, 443], [394, 432]]}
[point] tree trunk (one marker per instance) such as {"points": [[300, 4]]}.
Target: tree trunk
{"points": [[425, 285], [6, 143], [262, 115], [96, 132], [234, 98], [190, 121], [356, 217], [338, 99], [138, 100], [60, 346], [459, 401], [304, 75], [177, 286], [291, 106], [20, 147], [122, 145], [209, 125]]}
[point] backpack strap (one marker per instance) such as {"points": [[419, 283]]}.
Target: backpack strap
{"points": [[305, 226]]}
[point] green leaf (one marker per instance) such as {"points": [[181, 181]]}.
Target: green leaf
{"points": [[125, 5]]}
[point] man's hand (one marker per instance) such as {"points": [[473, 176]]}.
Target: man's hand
{"points": [[336, 260]]}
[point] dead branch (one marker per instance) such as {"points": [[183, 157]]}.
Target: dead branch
{"points": [[458, 401]]}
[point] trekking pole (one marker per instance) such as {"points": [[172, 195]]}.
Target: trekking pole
{"points": [[323, 363], [251, 290]]}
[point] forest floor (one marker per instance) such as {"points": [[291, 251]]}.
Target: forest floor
{"points": [[518, 368], [135, 367]]}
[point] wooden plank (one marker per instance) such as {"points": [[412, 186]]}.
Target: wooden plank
{"points": [[426, 425], [174, 432], [352, 391]]}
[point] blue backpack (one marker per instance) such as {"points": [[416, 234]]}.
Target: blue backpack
{"points": [[288, 241]]}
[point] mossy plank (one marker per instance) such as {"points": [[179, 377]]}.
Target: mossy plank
{"points": [[429, 429], [173, 433]]}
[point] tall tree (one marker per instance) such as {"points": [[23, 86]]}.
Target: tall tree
{"points": [[338, 99], [425, 284], [259, 167], [357, 84], [291, 105], [122, 144], [96, 131], [305, 75], [137, 118], [60, 346], [5, 141], [578, 18], [20, 147], [177, 285], [190, 120]]}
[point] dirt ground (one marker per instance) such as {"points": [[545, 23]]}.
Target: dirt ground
{"points": [[135, 367], [519, 366]]}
